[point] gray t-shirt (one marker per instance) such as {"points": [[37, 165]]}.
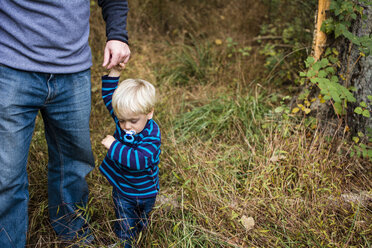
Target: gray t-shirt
{"points": [[49, 36]]}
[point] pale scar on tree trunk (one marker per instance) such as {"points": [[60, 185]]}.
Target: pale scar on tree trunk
{"points": [[320, 37]]}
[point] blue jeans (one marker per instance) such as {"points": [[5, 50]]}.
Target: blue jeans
{"points": [[132, 216], [64, 101]]}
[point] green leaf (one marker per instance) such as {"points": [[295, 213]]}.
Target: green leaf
{"points": [[323, 85], [338, 107], [358, 110], [363, 104], [322, 74], [333, 5], [330, 70], [317, 66], [279, 109], [349, 7], [335, 95], [333, 59], [366, 113], [352, 89], [355, 40], [327, 97], [352, 153], [310, 73], [350, 97], [339, 29], [327, 52], [346, 93], [337, 11], [334, 79], [365, 153], [334, 51], [324, 62], [309, 61], [314, 80]]}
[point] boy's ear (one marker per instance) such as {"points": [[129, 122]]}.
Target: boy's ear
{"points": [[150, 115]]}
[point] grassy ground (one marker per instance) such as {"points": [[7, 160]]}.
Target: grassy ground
{"points": [[233, 172]]}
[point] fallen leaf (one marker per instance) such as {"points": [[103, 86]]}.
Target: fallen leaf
{"points": [[218, 42], [276, 158], [248, 222]]}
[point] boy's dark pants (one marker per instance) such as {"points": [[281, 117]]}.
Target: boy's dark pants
{"points": [[132, 216]]}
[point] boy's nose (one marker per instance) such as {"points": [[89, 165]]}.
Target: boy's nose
{"points": [[127, 126]]}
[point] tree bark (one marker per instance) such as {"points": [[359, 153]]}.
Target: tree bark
{"points": [[357, 71]]}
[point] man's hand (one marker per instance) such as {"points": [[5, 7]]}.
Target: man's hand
{"points": [[107, 142], [115, 52]]}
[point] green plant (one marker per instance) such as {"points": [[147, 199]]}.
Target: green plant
{"points": [[283, 108], [344, 13], [322, 74], [220, 117], [362, 147], [362, 109], [192, 64], [233, 48]]}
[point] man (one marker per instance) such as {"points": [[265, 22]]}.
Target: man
{"points": [[44, 66]]}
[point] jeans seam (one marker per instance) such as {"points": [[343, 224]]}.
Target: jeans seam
{"points": [[61, 163], [26, 197], [50, 90]]}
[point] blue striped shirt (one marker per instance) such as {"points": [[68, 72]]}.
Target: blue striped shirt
{"points": [[132, 168]]}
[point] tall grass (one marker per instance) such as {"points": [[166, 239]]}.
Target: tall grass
{"points": [[221, 117], [192, 66], [226, 155]]}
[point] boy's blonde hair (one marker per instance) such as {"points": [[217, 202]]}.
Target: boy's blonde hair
{"points": [[133, 95]]}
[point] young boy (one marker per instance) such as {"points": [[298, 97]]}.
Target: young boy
{"points": [[131, 163]]}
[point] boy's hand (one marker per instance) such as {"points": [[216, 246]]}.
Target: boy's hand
{"points": [[116, 70], [107, 142]]}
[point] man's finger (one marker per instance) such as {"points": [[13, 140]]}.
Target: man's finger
{"points": [[106, 57], [126, 58], [113, 61]]}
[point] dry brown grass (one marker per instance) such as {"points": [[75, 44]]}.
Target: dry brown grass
{"points": [[300, 189]]}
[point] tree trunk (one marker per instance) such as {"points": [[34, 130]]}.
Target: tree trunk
{"points": [[357, 70]]}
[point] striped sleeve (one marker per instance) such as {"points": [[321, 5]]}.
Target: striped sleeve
{"points": [[109, 85], [140, 157]]}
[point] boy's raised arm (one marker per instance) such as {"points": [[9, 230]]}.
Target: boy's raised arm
{"points": [[109, 85]]}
